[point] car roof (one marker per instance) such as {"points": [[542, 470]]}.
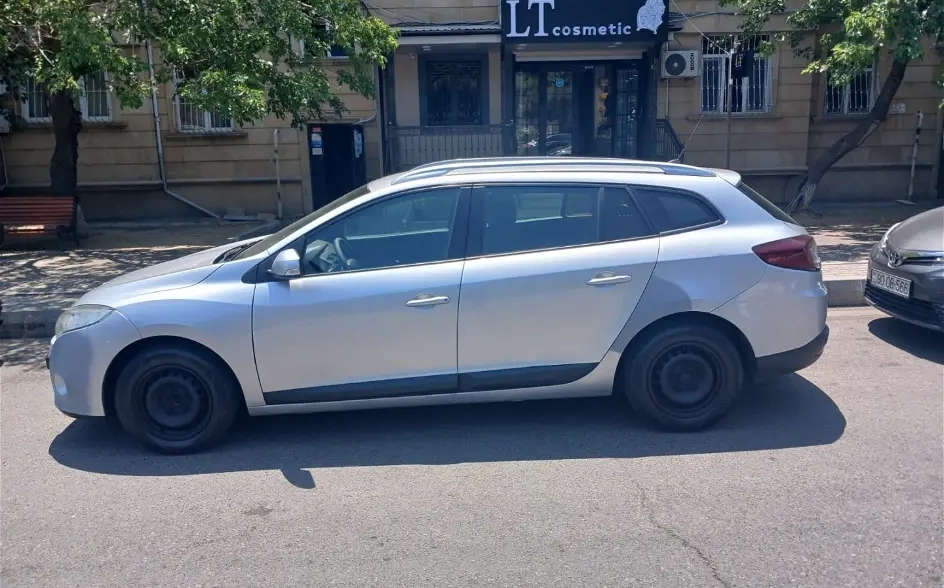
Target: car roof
{"points": [[520, 165]]}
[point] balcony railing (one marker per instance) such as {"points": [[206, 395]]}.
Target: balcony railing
{"points": [[413, 146], [668, 145]]}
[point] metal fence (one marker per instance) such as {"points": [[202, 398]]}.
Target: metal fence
{"points": [[413, 146], [668, 144]]}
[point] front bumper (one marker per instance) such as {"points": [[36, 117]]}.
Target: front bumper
{"points": [[925, 304], [794, 360], [78, 360], [922, 313]]}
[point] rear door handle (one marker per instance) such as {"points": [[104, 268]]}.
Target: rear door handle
{"points": [[607, 279], [428, 300]]}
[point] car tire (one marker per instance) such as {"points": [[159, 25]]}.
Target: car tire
{"points": [[176, 399], [683, 377]]}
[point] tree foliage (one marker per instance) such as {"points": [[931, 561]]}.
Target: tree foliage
{"points": [[842, 38], [238, 58]]}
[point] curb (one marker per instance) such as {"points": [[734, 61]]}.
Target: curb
{"points": [[26, 324], [845, 292], [19, 324]]}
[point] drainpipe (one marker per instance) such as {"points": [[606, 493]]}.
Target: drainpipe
{"points": [[278, 175], [375, 102], [160, 144]]}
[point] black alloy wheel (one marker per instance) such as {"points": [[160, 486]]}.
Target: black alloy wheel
{"points": [[176, 399], [684, 377]]}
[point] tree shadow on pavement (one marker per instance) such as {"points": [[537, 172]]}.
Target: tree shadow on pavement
{"points": [[790, 412], [28, 354], [73, 273], [919, 342]]}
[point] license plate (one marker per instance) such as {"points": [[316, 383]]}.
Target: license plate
{"points": [[890, 283]]}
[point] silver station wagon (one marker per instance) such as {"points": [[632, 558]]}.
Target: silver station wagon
{"points": [[456, 282]]}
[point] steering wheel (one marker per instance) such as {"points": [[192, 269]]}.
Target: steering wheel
{"points": [[342, 248]]}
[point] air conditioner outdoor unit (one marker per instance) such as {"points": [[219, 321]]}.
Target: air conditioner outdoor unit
{"points": [[681, 64]]}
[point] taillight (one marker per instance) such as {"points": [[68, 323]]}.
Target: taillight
{"points": [[797, 253]]}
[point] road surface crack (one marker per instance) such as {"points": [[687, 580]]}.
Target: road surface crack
{"points": [[669, 531]]}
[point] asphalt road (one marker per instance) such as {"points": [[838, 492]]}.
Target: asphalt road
{"points": [[829, 478]]}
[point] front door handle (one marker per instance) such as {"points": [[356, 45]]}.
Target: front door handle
{"points": [[428, 300], [607, 279]]}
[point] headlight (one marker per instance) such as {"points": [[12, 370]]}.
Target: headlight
{"points": [[78, 317], [885, 236]]}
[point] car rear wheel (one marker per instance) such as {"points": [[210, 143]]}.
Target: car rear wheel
{"points": [[683, 377], [176, 399]]}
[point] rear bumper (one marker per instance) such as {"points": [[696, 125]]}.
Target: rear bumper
{"points": [[794, 360]]}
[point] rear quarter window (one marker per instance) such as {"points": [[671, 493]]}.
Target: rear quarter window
{"points": [[671, 210], [771, 208]]}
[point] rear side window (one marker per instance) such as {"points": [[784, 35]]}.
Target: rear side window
{"points": [[528, 218], [771, 208], [672, 211]]}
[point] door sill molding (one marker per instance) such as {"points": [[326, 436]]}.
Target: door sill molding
{"points": [[482, 381]]}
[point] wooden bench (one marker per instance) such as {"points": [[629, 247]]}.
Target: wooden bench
{"points": [[38, 215]]}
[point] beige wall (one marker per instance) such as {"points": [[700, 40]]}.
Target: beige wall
{"points": [[118, 164], [407, 85], [773, 149], [118, 168], [435, 11]]}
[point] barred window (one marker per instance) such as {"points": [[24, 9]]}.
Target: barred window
{"points": [[856, 97], [454, 93], [752, 93], [193, 119], [322, 30], [94, 101], [36, 108]]}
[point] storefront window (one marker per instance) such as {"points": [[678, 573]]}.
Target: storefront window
{"points": [[627, 112], [454, 93], [560, 108], [527, 112]]}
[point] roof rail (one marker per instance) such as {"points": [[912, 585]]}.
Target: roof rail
{"points": [[632, 169], [480, 165]]}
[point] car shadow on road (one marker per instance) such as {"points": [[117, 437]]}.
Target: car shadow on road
{"points": [[791, 412], [921, 343]]}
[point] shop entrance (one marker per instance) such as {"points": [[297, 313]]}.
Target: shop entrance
{"points": [[578, 108]]}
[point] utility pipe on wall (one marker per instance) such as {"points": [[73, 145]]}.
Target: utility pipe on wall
{"points": [[729, 105], [914, 159], [159, 142], [278, 175]]}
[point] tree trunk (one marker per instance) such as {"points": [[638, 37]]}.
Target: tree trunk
{"points": [[851, 140], [66, 124]]}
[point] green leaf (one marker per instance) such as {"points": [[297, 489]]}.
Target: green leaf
{"points": [[238, 57]]}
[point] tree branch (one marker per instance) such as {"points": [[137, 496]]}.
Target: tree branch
{"points": [[850, 140]]}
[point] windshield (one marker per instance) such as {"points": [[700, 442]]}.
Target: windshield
{"points": [[264, 244], [771, 208]]}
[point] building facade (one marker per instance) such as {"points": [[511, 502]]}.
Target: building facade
{"points": [[637, 79]]}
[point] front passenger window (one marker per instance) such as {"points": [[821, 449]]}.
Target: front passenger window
{"points": [[403, 230]]}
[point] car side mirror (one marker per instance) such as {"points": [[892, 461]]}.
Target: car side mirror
{"points": [[286, 265]]}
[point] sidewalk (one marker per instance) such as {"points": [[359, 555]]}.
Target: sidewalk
{"points": [[37, 281], [36, 284]]}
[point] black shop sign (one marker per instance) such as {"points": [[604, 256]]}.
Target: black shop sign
{"points": [[571, 21]]}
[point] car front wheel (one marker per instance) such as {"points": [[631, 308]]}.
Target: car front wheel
{"points": [[683, 377], [176, 399]]}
